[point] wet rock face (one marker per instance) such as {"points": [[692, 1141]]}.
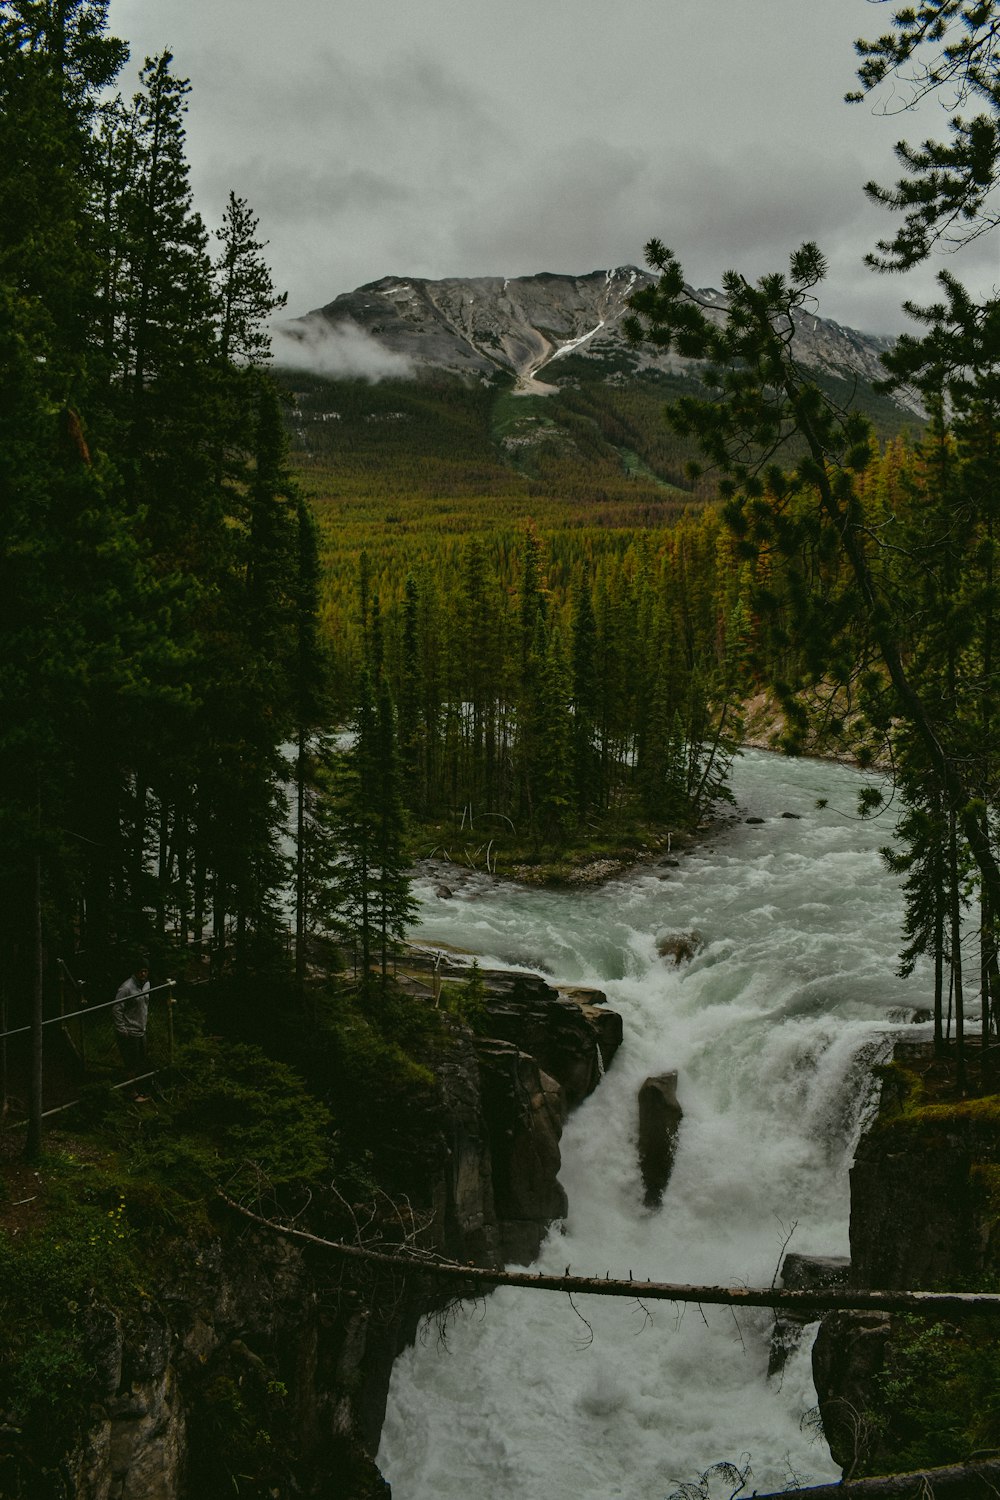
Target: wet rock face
{"points": [[237, 1315], [848, 1357], [571, 1045], [465, 1220], [916, 1218], [925, 1213], [660, 1116], [570, 1031], [799, 1273], [524, 1110]]}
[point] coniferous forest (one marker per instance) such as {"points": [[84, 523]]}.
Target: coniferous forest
{"points": [[183, 595], [158, 578], [249, 677]]}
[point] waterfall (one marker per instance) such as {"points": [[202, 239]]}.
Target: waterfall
{"points": [[773, 1027]]}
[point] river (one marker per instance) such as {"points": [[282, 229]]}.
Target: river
{"points": [[773, 1028]]}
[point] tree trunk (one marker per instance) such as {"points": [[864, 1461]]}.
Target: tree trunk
{"points": [[956, 953], [300, 863], [813, 1300], [964, 1481], [33, 1143]]}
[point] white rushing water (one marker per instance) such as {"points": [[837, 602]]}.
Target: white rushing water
{"points": [[772, 1028]]}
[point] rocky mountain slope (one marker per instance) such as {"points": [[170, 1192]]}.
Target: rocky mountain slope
{"points": [[499, 388], [530, 326]]}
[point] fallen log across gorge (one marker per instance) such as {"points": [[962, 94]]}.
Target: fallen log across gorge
{"points": [[936, 1304]]}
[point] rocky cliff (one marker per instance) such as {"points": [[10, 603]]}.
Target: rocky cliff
{"points": [[267, 1360], [899, 1392], [528, 326]]}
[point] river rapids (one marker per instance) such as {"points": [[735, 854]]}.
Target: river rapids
{"points": [[773, 1028]]}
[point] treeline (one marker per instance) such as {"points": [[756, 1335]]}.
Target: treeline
{"points": [[158, 574], [539, 689], [548, 675]]}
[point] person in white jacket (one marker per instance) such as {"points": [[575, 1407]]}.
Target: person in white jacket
{"points": [[130, 1013]]}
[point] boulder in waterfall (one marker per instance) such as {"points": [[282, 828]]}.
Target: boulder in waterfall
{"points": [[680, 946], [660, 1116], [607, 1026], [800, 1273], [583, 994]]}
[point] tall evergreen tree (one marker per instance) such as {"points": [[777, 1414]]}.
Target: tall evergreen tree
{"points": [[395, 907], [760, 398], [371, 893], [153, 586], [245, 290], [585, 700]]}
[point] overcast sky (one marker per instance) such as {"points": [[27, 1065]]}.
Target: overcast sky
{"points": [[503, 137]]}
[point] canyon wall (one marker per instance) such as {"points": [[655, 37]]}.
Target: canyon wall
{"points": [[258, 1350]]}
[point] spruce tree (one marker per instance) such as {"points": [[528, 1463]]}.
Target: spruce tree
{"points": [[411, 700], [245, 291], [394, 902], [933, 697], [371, 893], [585, 700]]}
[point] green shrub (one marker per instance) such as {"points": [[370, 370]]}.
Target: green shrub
{"points": [[938, 1395], [467, 1001], [234, 1118], [49, 1280]]}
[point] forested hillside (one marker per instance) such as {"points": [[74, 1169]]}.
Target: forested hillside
{"points": [[566, 628], [156, 583], [264, 642]]}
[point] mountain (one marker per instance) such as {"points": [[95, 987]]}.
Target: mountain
{"points": [[491, 386], [530, 325]]}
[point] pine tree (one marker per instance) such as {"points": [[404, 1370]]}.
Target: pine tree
{"points": [[165, 335], [394, 901], [311, 703], [371, 895], [412, 740], [934, 695], [244, 288], [585, 699]]}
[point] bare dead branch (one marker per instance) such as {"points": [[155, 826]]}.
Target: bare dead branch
{"points": [[784, 1246], [586, 1342]]}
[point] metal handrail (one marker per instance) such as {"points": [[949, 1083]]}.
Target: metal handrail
{"points": [[88, 1010]]}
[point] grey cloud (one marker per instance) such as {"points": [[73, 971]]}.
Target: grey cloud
{"points": [[341, 349], [560, 214], [457, 137], [315, 191]]}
